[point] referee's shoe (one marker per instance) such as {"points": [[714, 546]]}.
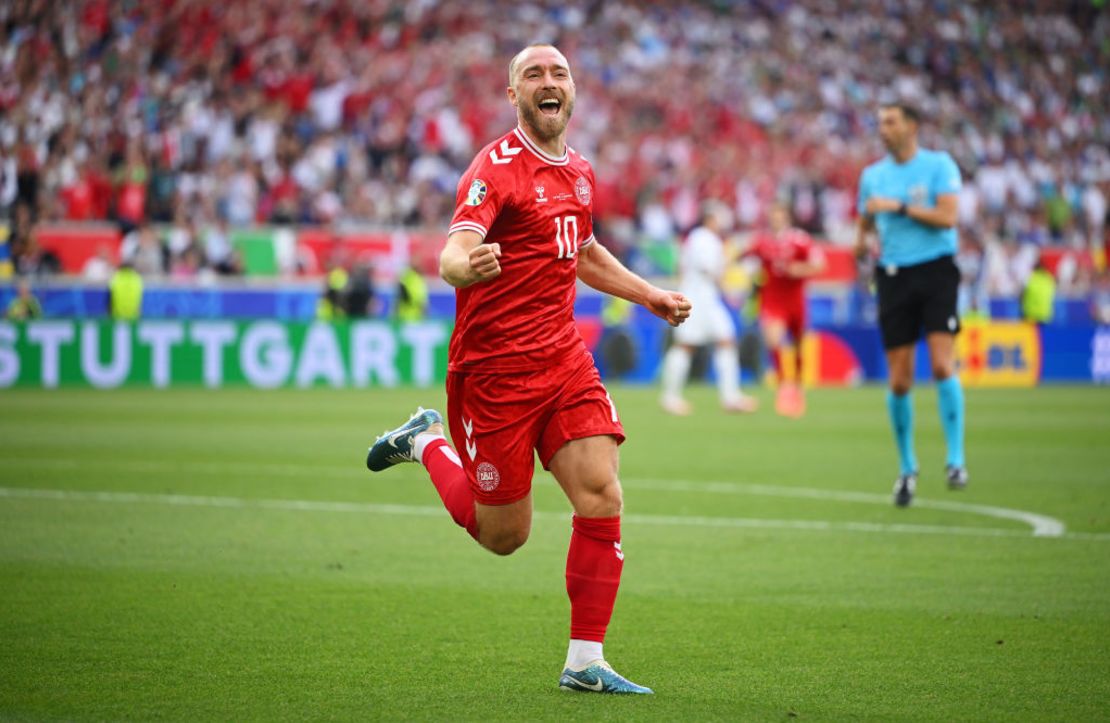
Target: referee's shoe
{"points": [[904, 488], [956, 476]]}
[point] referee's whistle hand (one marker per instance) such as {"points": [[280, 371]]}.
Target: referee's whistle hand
{"points": [[882, 205]]}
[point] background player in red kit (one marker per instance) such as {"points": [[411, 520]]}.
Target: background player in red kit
{"points": [[789, 258], [519, 376]]}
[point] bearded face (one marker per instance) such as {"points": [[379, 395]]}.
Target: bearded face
{"points": [[895, 129], [543, 92]]}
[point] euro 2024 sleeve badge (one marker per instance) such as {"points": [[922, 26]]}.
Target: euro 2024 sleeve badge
{"points": [[477, 192]]}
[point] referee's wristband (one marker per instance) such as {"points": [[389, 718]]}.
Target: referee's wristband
{"points": [[902, 208]]}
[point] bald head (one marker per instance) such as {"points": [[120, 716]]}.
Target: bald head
{"points": [[518, 61]]}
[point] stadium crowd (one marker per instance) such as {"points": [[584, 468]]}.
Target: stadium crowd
{"points": [[201, 115]]}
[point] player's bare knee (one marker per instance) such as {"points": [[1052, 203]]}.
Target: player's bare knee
{"points": [[603, 501], [613, 499], [506, 542]]}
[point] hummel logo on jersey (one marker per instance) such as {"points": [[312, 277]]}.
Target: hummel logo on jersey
{"points": [[507, 151], [539, 195], [471, 445]]}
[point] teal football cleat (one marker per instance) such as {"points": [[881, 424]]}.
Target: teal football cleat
{"points": [[598, 677], [396, 446]]}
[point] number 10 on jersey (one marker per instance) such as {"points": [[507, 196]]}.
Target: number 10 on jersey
{"points": [[566, 236]]}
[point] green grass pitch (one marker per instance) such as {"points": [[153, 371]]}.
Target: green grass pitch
{"points": [[196, 555]]}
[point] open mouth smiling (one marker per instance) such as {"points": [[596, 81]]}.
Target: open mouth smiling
{"points": [[550, 106]]}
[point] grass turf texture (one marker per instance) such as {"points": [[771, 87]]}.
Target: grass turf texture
{"points": [[134, 607]]}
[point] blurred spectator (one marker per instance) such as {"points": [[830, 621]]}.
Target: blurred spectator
{"points": [[187, 265], [1100, 299], [8, 186], [89, 194], [331, 303], [99, 268], [143, 251], [125, 293], [973, 301], [218, 251], [412, 295], [1039, 297], [24, 306], [29, 258], [131, 188], [181, 234], [6, 266], [280, 111], [359, 297]]}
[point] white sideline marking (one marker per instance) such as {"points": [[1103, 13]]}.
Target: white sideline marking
{"points": [[422, 511], [1043, 526]]}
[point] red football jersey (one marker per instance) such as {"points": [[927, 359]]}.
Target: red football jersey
{"points": [[776, 252], [540, 209]]}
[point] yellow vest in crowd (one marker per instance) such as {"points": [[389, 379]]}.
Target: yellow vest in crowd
{"points": [[125, 293], [1040, 296], [413, 303]]}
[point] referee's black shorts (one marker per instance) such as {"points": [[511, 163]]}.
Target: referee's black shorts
{"points": [[917, 299]]}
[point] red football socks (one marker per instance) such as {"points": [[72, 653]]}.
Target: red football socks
{"points": [[776, 362], [450, 481], [594, 564]]}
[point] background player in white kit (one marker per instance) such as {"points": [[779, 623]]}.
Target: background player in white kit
{"points": [[702, 267]]}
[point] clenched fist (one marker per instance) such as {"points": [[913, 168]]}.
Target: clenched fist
{"points": [[671, 306], [483, 261]]}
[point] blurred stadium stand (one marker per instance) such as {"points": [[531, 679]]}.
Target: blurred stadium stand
{"points": [[273, 138]]}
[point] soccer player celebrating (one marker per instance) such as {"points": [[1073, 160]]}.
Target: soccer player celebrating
{"points": [[910, 198], [789, 258], [519, 376], [702, 268]]}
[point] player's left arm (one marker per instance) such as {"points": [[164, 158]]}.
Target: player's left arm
{"points": [[811, 265], [599, 269]]}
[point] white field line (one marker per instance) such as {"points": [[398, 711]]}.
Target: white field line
{"points": [[1043, 526], [424, 511]]}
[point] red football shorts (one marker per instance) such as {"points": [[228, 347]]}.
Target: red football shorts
{"points": [[790, 314], [497, 420]]}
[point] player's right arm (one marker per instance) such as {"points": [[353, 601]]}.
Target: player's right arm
{"points": [[466, 259], [866, 222]]}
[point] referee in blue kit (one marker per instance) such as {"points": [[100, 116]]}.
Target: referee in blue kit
{"points": [[909, 198]]}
